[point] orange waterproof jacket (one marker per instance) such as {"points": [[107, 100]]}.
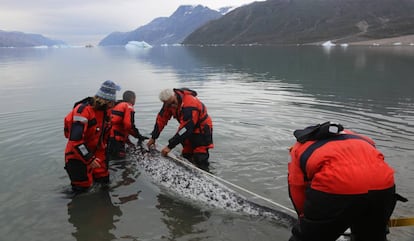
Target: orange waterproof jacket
{"points": [[346, 164], [192, 116], [87, 131], [123, 121]]}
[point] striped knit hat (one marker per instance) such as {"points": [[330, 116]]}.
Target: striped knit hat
{"points": [[108, 90]]}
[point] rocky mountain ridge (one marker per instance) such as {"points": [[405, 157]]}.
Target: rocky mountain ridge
{"points": [[20, 39], [309, 21], [166, 30]]}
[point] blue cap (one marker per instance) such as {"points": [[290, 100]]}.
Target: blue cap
{"points": [[108, 90]]}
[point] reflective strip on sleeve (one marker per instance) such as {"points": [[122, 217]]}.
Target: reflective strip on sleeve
{"points": [[80, 118], [182, 131]]}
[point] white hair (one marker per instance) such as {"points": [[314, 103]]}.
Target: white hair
{"points": [[166, 94]]}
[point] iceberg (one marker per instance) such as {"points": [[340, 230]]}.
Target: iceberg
{"points": [[328, 44], [137, 45]]}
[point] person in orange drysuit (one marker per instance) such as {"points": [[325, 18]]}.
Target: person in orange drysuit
{"points": [[123, 125], [195, 131], [339, 180], [87, 128]]}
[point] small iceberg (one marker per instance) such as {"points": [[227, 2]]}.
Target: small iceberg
{"points": [[137, 45], [328, 44], [56, 46]]}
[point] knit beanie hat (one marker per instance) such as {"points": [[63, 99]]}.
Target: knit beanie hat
{"points": [[108, 90]]}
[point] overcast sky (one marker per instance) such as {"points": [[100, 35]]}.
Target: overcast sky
{"points": [[89, 21]]}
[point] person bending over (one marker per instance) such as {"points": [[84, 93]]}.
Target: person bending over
{"points": [[195, 131], [339, 180]]}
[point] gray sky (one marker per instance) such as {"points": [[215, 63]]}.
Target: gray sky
{"points": [[89, 21]]}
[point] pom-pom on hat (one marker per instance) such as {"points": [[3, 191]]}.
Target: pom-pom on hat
{"points": [[108, 90]]}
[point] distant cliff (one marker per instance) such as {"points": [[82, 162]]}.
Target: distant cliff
{"points": [[20, 39], [308, 21], [166, 30]]}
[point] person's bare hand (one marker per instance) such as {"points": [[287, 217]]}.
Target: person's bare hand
{"points": [[95, 163], [150, 143], [165, 151]]}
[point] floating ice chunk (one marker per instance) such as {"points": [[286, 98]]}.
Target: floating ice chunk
{"points": [[328, 44], [344, 45], [59, 46], [137, 45]]}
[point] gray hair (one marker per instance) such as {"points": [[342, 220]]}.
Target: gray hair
{"points": [[166, 94]]}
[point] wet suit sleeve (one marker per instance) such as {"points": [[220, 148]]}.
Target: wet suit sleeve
{"points": [[296, 182], [163, 117], [78, 135], [128, 118], [134, 130], [189, 118], [129, 122]]}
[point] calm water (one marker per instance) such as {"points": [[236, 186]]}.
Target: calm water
{"points": [[257, 96]]}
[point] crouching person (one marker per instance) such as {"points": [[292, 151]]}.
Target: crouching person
{"points": [[339, 180]]}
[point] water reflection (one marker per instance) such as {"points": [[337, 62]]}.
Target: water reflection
{"points": [[18, 55], [343, 74], [181, 218], [123, 174], [370, 85], [372, 71], [94, 216], [257, 97]]}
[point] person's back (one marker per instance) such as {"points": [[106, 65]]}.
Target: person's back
{"points": [[86, 128], [123, 125], [339, 180], [349, 165], [121, 120], [76, 134]]}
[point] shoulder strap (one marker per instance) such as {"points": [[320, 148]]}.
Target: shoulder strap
{"points": [[309, 151]]}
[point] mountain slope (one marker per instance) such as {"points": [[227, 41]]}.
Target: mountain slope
{"points": [[20, 39], [307, 21], [166, 30]]}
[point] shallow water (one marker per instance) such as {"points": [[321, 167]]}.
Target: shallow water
{"points": [[256, 96]]}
